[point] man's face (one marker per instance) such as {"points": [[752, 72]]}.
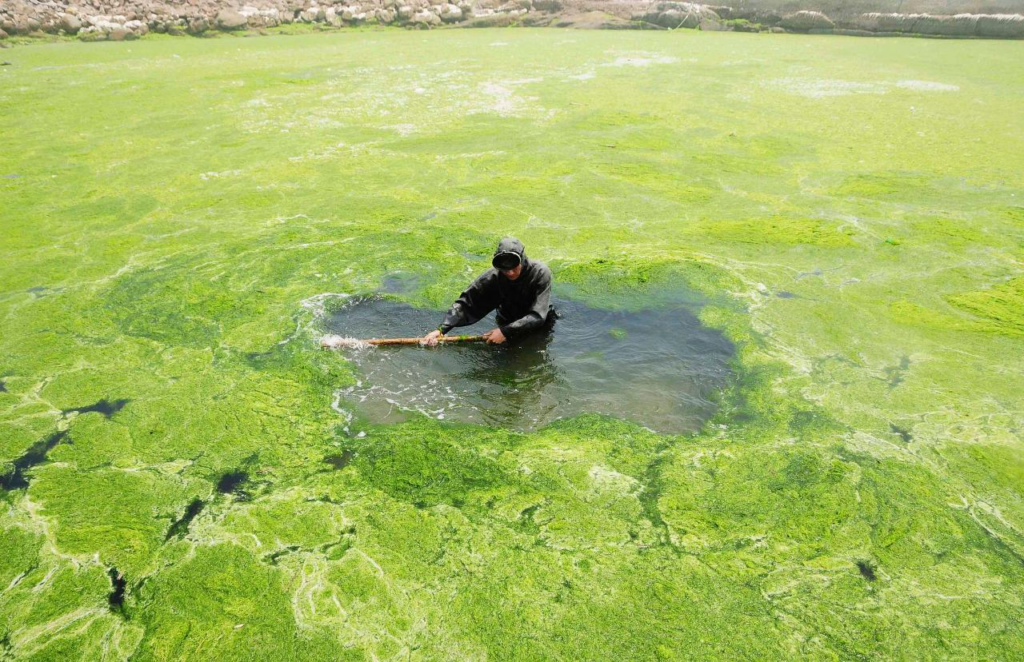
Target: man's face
{"points": [[512, 274]]}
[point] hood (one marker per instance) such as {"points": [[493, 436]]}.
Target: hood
{"points": [[511, 245], [507, 248]]}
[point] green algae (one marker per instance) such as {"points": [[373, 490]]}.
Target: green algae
{"points": [[1002, 305], [784, 230], [186, 207]]}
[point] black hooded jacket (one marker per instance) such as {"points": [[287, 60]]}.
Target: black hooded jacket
{"points": [[523, 304]]}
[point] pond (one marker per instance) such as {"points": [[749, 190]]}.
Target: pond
{"points": [[659, 367]]}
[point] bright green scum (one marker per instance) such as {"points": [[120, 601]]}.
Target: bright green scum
{"points": [[853, 210]]}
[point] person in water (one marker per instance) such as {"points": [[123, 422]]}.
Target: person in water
{"points": [[518, 287]]}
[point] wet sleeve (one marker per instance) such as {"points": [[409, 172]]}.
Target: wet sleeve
{"points": [[472, 305], [538, 313]]}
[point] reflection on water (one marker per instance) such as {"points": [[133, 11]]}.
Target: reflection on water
{"points": [[659, 368]]}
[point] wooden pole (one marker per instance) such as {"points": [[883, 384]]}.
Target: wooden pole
{"points": [[336, 342]]}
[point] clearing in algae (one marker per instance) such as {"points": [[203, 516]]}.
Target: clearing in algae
{"points": [[187, 476]]}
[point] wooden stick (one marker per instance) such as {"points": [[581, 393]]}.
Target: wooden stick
{"points": [[335, 342]]}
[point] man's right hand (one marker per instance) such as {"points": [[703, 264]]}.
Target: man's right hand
{"points": [[431, 339]]}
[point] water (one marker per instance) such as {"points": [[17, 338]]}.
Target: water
{"points": [[104, 407], [233, 482], [339, 460], [659, 368], [117, 584], [180, 527], [36, 454]]}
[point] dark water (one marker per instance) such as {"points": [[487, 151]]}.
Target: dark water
{"points": [[660, 368], [400, 283], [117, 586], [104, 407], [179, 529], [339, 460], [902, 433], [36, 454], [233, 483], [866, 570]]}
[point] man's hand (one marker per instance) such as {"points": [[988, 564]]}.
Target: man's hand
{"points": [[430, 340], [494, 337]]}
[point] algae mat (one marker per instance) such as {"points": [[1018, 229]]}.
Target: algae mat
{"points": [[179, 217]]}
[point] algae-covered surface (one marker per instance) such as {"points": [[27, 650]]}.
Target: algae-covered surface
{"points": [[183, 478]]}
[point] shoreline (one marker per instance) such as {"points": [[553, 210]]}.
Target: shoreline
{"points": [[21, 22]]}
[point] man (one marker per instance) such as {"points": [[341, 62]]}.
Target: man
{"points": [[518, 287]]}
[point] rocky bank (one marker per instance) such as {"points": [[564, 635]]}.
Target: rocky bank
{"points": [[116, 20]]}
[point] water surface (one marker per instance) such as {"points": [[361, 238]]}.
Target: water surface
{"points": [[660, 368]]}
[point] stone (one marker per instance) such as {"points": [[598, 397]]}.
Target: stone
{"points": [[3, 34], [229, 19], [1001, 26], [425, 18], [51, 25], [877, 22], [807, 20], [118, 34], [730, 13], [18, 26], [492, 20], [674, 15], [70, 24], [405, 12], [92, 34], [960, 25], [711, 25], [548, 5], [450, 13], [536, 20], [851, 32], [136, 28]]}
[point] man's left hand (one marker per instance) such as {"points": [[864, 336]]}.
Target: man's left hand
{"points": [[494, 337]]}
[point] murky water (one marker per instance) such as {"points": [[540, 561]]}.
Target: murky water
{"points": [[660, 368]]}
